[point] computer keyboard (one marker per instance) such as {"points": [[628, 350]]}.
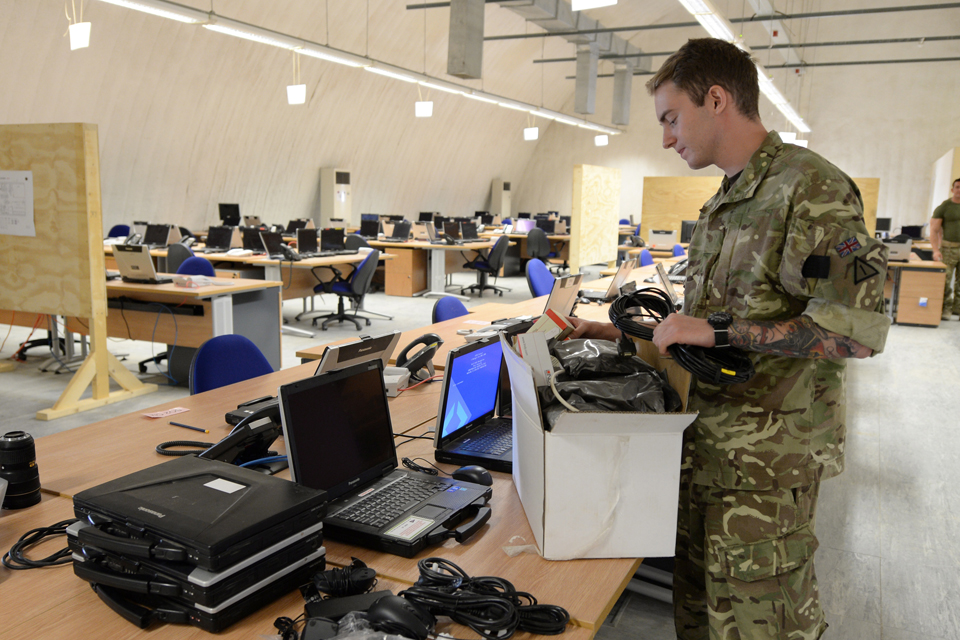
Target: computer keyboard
{"points": [[389, 502], [496, 440]]}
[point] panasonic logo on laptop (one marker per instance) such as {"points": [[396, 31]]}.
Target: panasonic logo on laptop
{"points": [[362, 350], [151, 512], [353, 482]]}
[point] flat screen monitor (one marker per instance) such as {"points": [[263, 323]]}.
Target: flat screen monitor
{"points": [[548, 226], [251, 239], [369, 228], [369, 216], [293, 225], [331, 239], [914, 231], [567, 219], [452, 229], [883, 224], [542, 216], [425, 216], [524, 216], [686, 230], [230, 214]]}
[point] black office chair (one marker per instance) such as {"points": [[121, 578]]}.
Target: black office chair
{"points": [[488, 265], [353, 241], [355, 288]]}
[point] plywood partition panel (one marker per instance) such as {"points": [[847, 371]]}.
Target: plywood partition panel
{"points": [[596, 211]]}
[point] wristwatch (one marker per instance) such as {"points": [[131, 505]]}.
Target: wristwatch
{"points": [[720, 321]]}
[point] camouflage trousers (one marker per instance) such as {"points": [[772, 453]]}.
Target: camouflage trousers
{"points": [[951, 290], [744, 565]]}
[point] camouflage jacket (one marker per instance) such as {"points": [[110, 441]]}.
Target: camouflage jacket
{"points": [[787, 238]]}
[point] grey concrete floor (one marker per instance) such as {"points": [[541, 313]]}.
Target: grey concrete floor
{"points": [[889, 558]]}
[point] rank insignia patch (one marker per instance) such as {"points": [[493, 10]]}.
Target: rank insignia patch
{"points": [[862, 270], [847, 247]]}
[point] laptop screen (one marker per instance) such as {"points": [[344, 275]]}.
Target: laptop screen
{"points": [[251, 239], [337, 428], [230, 214], [369, 216], [426, 216], [331, 239], [469, 230], [369, 228], [452, 229], [271, 242], [297, 223], [621, 276], [307, 240], [219, 237], [156, 234], [401, 229], [564, 294], [549, 226], [523, 226], [470, 385]]}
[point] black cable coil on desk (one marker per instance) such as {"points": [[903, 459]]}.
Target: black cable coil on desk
{"points": [[490, 606], [716, 366]]}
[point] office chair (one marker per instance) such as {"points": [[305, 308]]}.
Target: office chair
{"points": [[447, 308], [678, 251], [225, 360], [507, 221], [355, 288], [186, 233], [624, 222], [119, 231], [486, 266], [176, 254], [539, 278], [645, 258], [538, 246], [192, 266], [637, 232], [353, 241]]}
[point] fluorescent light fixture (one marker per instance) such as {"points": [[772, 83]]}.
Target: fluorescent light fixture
{"points": [[601, 140], [79, 35], [568, 120], [715, 26], [253, 35], [583, 5], [423, 108], [696, 6], [164, 10], [474, 96], [515, 107], [440, 87], [540, 113], [788, 136], [531, 133], [390, 74], [801, 143], [296, 93], [314, 52]]}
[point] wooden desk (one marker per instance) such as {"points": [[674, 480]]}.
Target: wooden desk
{"points": [[249, 308], [407, 276], [907, 284]]}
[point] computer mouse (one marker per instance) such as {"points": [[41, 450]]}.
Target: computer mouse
{"points": [[473, 473], [396, 615]]}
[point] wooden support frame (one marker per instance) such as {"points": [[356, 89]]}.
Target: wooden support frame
{"points": [[596, 210], [60, 270]]}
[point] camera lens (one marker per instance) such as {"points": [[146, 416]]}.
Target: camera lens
{"points": [[18, 466]]}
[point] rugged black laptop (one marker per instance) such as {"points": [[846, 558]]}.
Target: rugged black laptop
{"points": [[218, 239], [307, 244], [468, 230], [251, 240], [452, 230], [401, 232], [333, 242], [369, 229], [339, 438], [272, 241], [471, 427], [157, 236]]}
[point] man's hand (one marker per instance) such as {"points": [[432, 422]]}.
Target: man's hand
{"points": [[677, 328], [589, 329], [937, 255]]}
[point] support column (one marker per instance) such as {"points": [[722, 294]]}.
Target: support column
{"points": [[465, 51]]}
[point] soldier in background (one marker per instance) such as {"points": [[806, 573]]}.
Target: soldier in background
{"points": [[945, 239], [782, 267]]}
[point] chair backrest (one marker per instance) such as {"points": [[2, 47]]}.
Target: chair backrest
{"points": [[507, 221], [624, 221], [678, 250], [645, 258], [196, 266], [539, 278], [176, 254], [225, 360], [119, 231], [353, 241], [361, 278], [448, 307], [637, 232], [538, 246], [498, 253], [186, 233]]}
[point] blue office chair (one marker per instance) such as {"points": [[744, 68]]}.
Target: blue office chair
{"points": [[225, 360], [539, 278], [678, 251], [637, 232], [176, 255], [507, 221], [624, 221], [488, 265], [447, 308], [197, 266], [119, 231], [354, 287], [645, 258]]}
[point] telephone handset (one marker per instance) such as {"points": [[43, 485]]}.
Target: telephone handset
{"points": [[422, 358], [290, 253], [636, 241], [678, 268], [448, 238], [187, 241], [133, 238]]}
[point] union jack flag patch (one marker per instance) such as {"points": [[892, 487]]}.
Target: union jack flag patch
{"points": [[847, 247]]}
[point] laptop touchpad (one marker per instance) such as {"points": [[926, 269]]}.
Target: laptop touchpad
{"points": [[430, 512]]}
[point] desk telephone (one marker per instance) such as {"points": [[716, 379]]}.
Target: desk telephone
{"points": [[676, 273], [290, 253]]}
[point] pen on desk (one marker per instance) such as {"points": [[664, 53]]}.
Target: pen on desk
{"points": [[186, 426]]}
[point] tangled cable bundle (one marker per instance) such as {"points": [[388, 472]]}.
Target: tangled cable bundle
{"points": [[716, 366]]}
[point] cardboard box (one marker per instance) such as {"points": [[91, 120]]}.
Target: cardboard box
{"points": [[599, 485]]}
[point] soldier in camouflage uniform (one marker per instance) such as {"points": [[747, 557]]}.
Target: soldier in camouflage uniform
{"points": [[945, 240], [781, 248]]}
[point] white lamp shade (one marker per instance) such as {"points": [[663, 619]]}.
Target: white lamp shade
{"points": [[296, 93], [79, 35], [601, 140], [788, 136], [423, 108], [531, 133]]}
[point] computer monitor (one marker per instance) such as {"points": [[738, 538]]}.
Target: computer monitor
{"points": [[548, 226], [567, 219], [369, 228], [425, 216], [883, 224], [523, 216], [369, 216], [332, 239], [251, 239], [230, 214], [914, 231], [219, 237], [297, 223], [480, 214], [686, 230]]}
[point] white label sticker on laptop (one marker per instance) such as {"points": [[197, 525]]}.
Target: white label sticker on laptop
{"points": [[410, 528], [224, 485]]}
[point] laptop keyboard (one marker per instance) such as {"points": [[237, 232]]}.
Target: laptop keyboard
{"points": [[391, 501], [497, 440]]}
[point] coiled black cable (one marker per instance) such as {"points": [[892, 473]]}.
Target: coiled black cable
{"points": [[491, 606], [716, 366], [16, 558], [165, 448]]}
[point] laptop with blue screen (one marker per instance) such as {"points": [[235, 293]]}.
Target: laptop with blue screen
{"points": [[471, 423]]}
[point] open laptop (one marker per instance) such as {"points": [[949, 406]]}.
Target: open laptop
{"points": [[400, 231], [369, 229], [251, 240], [549, 226], [252, 221], [523, 225], [219, 239], [136, 265], [338, 356], [339, 438], [333, 242], [660, 239], [468, 231], [564, 294], [272, 241], [614, 289], [307, 243], [451, 228], [158, 236], [471, 427]]}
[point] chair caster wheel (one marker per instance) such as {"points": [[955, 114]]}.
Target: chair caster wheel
{"points": [[143, 368]]}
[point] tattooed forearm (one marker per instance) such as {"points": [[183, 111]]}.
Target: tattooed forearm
{"points": [[797, 338]]}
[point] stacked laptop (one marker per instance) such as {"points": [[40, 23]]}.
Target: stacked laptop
{"points": [[196, 541]]}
